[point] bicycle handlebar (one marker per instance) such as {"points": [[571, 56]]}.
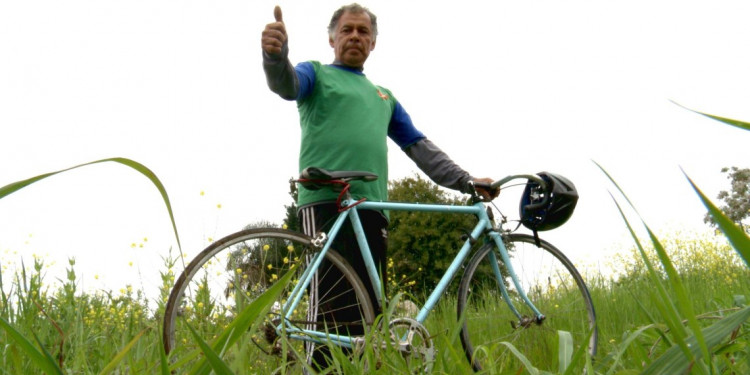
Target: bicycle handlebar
{"points": [[536, 179], [507, 179], [311, 177]]}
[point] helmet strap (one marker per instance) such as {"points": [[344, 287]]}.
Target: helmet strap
{"points": [[536, 239]]}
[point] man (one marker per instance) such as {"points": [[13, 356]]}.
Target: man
{"points": [[345, 120]]}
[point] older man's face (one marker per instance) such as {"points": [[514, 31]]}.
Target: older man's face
{"points": [[353, 39]]}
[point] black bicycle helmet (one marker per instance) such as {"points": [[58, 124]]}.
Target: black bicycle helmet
{"points": [[545, 210]]}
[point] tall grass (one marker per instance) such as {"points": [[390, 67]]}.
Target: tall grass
{"points": [[84, 333], [87, 322]]}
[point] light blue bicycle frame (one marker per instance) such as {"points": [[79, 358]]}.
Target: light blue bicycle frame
{"points": [[484, 225]]}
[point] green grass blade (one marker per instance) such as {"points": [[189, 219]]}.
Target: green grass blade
{"points": [[246, 320], [18, 185], [211, 357], [163, 360], [109, 368], [529, 368], [736, 123], [250, 315], [44, 350], [565, 350], [612, 180], [159, 186], [662, 301], [683, 300], [580, 354], [46, 364], [617, 356], [736, 236], [673, 361]]}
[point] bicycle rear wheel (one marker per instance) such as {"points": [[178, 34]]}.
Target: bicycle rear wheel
{"points": [[553, 285], [234, 271]]}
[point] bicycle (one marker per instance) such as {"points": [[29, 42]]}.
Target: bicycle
{"points": [[515, 288]]}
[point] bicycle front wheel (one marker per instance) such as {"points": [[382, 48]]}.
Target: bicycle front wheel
{"points": [[233, 272], [552, 284]]}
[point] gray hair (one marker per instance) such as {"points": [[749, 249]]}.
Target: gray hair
{"points": [[352, 8]]}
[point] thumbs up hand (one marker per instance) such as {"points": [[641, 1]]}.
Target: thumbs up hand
{"points": [[274, 35]]}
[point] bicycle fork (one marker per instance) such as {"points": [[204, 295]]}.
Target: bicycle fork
{"points": [[523, 321]]}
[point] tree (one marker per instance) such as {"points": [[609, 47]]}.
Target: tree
{"points": [[737, 200], [422, 245]]}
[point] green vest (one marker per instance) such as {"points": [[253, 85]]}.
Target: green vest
{"points": [[344, 125]]}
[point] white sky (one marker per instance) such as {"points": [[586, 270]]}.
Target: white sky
{"points": [[503, 87]]}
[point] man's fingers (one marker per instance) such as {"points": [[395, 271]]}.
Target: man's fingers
{"points": [[277, 14], [272, 43], [275, 33]]}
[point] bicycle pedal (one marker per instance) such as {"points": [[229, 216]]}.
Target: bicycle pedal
{"points": [[269, 333], [277, 350]]}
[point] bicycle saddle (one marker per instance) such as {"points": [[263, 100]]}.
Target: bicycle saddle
{"points": [[311, 177]]}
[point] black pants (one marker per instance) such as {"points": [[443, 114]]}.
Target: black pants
{"points": [[321, 217]]}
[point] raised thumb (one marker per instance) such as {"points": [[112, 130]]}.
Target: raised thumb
{"points": [[277, 14]]}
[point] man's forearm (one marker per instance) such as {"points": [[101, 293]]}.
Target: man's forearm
{"points": [[438, 166], [280, 74]]}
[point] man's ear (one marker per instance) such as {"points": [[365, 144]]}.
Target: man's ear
{"points": [[330, 41], [372, 47]]}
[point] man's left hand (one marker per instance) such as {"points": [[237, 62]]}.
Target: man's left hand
{"points": [[487, 194]]}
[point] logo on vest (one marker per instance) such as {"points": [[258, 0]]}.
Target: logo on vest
{"points": [[382, 96]]}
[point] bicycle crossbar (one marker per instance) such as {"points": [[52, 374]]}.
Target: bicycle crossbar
{"points": [[417, 207]]}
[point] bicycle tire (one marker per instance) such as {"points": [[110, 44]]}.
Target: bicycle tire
{"points": [[551, 282], [256, 258]]}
